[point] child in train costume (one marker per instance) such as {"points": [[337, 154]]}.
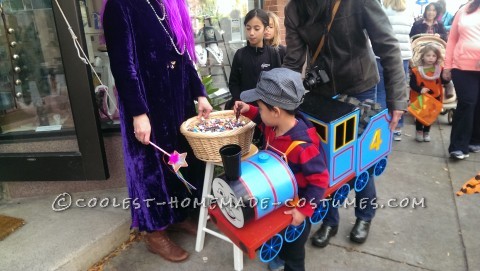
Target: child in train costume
{"points": [[278, 94], [332, 146]]}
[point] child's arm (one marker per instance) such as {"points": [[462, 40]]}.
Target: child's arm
{"points": [[414, 85], [315, 173], [249, 111]]}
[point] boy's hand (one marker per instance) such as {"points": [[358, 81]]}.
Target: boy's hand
{"points": [[297, 217], [424, 90], [240, 107]]}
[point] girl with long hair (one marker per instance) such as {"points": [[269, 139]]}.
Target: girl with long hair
{"points": [[426, 78], [428, 24]]}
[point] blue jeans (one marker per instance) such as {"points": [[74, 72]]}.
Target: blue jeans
{"points": [[364, 209], [381, 96]]}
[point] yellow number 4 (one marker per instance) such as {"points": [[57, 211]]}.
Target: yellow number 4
{"points": [[376, 141]]}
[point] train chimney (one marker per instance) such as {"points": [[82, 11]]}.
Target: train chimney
{"points": [[231, 158]]}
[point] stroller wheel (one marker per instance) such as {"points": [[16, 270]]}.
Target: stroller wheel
{"points": [[450, 116]]}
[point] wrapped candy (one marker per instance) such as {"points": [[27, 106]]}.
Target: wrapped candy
{"points": [[217, 125]]}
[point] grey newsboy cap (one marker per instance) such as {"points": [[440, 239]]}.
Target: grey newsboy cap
{"points": [[279, 87]]}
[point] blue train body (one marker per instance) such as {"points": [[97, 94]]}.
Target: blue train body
{"points": [[355, 139]]}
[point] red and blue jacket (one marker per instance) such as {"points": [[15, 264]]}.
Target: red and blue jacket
{"points": [[306, 160]]}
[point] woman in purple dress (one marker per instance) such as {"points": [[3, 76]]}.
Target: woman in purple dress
{"points": [[151, 50]]}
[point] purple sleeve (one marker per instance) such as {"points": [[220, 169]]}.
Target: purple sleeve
{"points": [[120, 43]]}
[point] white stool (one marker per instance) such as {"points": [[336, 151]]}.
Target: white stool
{"points": [[203, 218]]}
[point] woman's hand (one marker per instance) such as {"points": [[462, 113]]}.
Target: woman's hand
{"points": [[204, 107], [142, 128], [239, 105], [297, 217], [396, 116], [447, 74]]}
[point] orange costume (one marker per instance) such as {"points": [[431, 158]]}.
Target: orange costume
{"points": [[428, 78]]}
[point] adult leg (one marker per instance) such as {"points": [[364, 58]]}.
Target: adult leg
{"points": [[405, 69], [475, 139], [466, 84], [364, 209], [364, 201]]}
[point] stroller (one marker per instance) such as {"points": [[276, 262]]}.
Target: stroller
{"points": [[418, 41]]}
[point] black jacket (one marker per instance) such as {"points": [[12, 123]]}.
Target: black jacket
{"points": [[349, 59], [420, 27], [247, 65]]}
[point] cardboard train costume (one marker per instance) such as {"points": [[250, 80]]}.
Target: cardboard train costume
{"points": [[355, 141]]}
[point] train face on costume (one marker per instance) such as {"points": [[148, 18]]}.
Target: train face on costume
{"points": [[355, 140], [265, 184]]}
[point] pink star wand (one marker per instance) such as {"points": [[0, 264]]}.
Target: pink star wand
{"points": [[177, 160]]}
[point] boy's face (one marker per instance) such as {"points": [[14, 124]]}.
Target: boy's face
{"points": [[269, 117]]}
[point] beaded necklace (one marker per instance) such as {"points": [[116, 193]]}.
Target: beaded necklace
{"points": [[168, 34]]}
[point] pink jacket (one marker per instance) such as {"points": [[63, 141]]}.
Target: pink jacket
{"points": [[463, 47]]}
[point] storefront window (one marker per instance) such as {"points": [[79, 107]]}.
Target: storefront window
{"points": [[218, 28], [34, 100]]}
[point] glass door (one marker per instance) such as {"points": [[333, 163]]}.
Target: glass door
{"points": [[38, 100], [34, 97]]}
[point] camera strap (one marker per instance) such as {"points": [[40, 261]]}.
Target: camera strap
{"points": [[322, 41]]}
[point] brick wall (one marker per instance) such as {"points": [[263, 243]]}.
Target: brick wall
{"points": [[277, 6]]}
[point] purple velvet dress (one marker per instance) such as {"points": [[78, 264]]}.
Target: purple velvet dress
{"points": [[151, 77]]}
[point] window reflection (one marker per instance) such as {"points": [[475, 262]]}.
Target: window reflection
{"points": [[33, 92]]}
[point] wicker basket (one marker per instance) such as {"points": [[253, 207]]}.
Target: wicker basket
{"points": [[206, 146]]}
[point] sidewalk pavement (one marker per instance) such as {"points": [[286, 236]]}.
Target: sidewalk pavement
{"points": [[442, 235]]}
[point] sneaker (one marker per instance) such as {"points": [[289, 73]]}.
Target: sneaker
{"points": [[276, 264], [474, 148], [397, 135], [426, 137], [419, 136], [459, 155]]}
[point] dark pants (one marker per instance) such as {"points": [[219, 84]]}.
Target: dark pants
{"points": [[466, 119], [420, 127], [381, 94], [364, 209], [294, 253]]}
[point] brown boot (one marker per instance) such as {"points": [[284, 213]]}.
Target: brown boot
{"points": [[159, 243], [188, 225]]}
